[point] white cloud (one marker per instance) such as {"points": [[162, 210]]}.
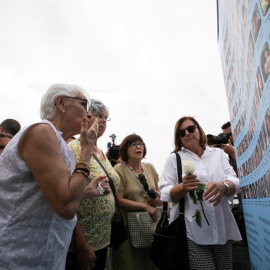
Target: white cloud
{"points": [[150, 62]]}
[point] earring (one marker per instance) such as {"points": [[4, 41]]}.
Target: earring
{"points": [[64, 111]]}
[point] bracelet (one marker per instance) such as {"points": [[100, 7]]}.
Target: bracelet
{"points": [[84, 164], [82, 172], [83, 169]]}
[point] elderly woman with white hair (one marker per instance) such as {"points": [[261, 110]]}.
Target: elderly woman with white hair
{"points": [[93, 229], [41, 187]]}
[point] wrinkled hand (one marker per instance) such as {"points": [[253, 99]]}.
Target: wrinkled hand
{"points": [[228, 149], [88, 133], [91, 189], [92, 132], [190, 182], [88, 136], [152, 211], [214, 192], [155, 202], [86, 257]]}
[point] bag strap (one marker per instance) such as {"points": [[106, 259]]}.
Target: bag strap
{"points": [[110, 183], [180, 180], [134, 176]]}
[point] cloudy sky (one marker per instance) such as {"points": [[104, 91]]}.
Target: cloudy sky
{"points": [[150, 62]]}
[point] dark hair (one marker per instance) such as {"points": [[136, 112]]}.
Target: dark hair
{"points": [[177, 142], [10, 126], [5, 135], [127, 142], [226, 125]]}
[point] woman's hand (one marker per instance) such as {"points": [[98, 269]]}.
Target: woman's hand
{"points": [[88, 137], [85, 256], [190, 182], [214, 192], [154, 202], [152, 211], [91, 190]]}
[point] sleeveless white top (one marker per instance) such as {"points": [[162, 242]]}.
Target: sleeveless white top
{"points": [[32, 235]]}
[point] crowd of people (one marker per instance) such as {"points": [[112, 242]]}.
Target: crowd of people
{"points": [[55, 198]]}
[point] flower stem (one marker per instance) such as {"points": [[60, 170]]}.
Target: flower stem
{"points": [[204, 212]]}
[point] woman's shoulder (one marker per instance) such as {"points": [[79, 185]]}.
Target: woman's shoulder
{"points": [[148, 165], [118, 167]]}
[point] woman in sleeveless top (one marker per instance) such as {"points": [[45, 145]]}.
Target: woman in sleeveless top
{"points": [[40, 185]]}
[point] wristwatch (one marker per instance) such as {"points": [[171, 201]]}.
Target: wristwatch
{"points": [[227, 187]]}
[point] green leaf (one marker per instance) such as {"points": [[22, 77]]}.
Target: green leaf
{"points": [[193, 197], [200, 188], [198, 218]]}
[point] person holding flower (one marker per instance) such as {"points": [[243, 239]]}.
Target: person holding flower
{"points": [[208, 183]]}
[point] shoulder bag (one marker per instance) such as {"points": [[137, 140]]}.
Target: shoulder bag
{"points": [[118, 229], [169, 250], [140, 225]]}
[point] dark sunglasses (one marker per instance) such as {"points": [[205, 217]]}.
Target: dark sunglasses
{"points": [[190, 129]]}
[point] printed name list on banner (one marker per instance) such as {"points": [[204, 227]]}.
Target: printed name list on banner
{"points": [[244, 41]]}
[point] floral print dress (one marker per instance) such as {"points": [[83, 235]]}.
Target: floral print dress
{"points": [[95, 213]]}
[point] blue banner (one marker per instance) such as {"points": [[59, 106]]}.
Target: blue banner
{"points": [[244, 41]]}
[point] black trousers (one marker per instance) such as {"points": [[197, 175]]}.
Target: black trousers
{"points": [[101, 255]]}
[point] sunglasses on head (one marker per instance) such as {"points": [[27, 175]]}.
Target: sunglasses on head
{"points": [[190, 129]]}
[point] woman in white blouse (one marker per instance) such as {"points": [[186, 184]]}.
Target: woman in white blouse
{"points": [[210, 224]]}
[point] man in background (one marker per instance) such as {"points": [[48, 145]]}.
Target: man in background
{"points": [[4, 140], [10, 126], [229, 149]]}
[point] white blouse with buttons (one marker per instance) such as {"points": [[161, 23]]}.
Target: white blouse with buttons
{"points": [[213, 166]]}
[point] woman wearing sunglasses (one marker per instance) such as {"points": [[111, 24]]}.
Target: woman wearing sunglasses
{"points": [[138, 191], [210, 225]]}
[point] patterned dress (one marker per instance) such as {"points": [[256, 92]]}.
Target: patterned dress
{"points": [[95, 213]]}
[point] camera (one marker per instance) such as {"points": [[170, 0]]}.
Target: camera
{"points": [[113, 149], [219, 139]]}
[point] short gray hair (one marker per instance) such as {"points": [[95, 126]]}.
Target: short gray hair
{"points": [[96, 106], [47, 105]]}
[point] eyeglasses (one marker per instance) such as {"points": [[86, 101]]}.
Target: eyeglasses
{"points": [[82, 99], [135, 145], [190, 129], [102, 116]]}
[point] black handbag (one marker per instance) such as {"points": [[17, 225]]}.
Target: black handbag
{"points": [[118, 229], [71, 261], [169, 249]]}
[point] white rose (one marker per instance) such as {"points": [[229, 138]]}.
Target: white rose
{"points": [[188, 167]]}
